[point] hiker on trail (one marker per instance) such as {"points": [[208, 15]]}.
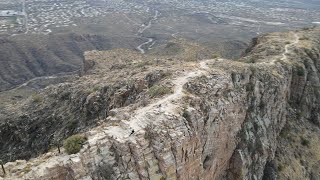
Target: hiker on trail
{"points": [[132, 132]]}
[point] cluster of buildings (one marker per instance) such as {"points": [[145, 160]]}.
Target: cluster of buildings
{"points": [[44, 16], [11, 21], [263, 12]]}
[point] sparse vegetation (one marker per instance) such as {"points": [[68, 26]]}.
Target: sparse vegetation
{"points": [[251, 60], [92, 89], [141, 64], [304, 141], [250, 87], [300, 71], [27, 168], [299, 114], [280, 167], [262, 105], [284, 133], [65, 95], [199, 121], [253, 69], [157, 91], [215, 56], [74, 143], [96, 88], [186, 100], [36, 98], [303, 38]]}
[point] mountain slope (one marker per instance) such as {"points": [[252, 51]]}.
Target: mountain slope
{"points": [[26, 57], [213, 119]]}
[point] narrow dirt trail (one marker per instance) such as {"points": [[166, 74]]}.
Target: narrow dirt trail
{"points": [[141, 117], [122, 132], [166, 107], [296, 41], [287, 50]]}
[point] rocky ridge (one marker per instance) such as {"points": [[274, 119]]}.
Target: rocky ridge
{"points": [[223, 120], [120, 78]]}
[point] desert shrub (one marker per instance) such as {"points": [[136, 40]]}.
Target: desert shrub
{"points": [[91, 90], [156, 91], [36, 98], [250, 87], [299, 114], [215, 56], [280, 167], [251, 60], [262, 105], [300, 71], [74, 143], [96, 88], [284, 132], [65, 95], [305, 142], [303, 38], [141, 64]]}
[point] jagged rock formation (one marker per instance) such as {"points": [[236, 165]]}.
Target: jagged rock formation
{"points": [[223, 119]]}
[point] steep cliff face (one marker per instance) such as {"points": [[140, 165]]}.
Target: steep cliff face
{"points": [[223, 120], [297, 76], [297, 155]]}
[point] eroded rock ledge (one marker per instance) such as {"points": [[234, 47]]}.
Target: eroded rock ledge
{"points": [[222, 120]]}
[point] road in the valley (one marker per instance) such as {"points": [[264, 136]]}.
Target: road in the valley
{"points": [[143, 28]]}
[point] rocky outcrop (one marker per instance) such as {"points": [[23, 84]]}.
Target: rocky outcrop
{"points": [[68, 110], [120, 78], [223, 120]]}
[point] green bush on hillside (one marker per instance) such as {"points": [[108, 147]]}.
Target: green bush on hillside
{"points": [[36, 98], [304, 141], [157, 91], [300, 71], [74, 143], [215, 56]]}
